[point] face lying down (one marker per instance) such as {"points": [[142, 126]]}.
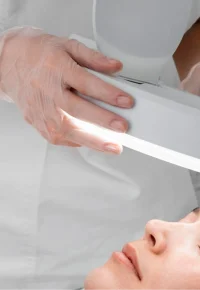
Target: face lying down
{"points": [[167, 257]]}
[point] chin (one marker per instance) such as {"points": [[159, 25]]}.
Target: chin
{"points": [[93, 279]]}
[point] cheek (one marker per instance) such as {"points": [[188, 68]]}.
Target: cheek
{"points": [[176, 271], [186, 271]]}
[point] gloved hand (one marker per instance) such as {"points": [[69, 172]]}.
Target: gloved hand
{"points": [[191, 83], [41, 72]]}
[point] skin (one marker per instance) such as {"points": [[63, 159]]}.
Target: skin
{"points": [[169, 253], [51, 71], [188, 52], [187, 59], [172, 248], [168, 257], [44, 75]]}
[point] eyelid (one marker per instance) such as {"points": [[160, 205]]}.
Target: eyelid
{"points": [[192, 217], [196, 209], [198, 215]]}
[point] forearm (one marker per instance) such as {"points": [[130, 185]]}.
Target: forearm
{"points": [[188, 52]]}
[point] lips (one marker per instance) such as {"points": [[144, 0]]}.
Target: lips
{"points": [[130, 252], [123, 259]]}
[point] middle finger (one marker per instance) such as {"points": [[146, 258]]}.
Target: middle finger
{"points": [[88, 84], [86, 111]]}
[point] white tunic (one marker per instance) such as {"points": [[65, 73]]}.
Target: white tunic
{"points": [[63, 211]]}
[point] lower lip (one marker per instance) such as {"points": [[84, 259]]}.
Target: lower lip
{"points": [[120, 257]]}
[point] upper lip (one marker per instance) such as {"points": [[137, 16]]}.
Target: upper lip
{"points": [[131, 254]]}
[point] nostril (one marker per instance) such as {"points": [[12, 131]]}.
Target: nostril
{"points": [[152, 240]]}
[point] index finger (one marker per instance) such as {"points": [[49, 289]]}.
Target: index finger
{"points": [[90, 85]]}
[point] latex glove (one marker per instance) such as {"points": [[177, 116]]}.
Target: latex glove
{"points": [[191, 83], [41, 72]]}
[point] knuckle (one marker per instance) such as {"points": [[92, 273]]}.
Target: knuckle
{"points": [[54, 138], [73, 44], [96, 55], [28, 119], [27, 116], [44, 135], [68, 128], [53, 133], [78, 75], [72, 66], [54, 60], [69, 144]]}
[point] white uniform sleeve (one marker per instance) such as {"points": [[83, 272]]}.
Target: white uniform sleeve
{"points": [[8, 12], [195, 13]]}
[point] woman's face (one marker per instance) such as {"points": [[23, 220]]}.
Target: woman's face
{"points": [[167, 257]]}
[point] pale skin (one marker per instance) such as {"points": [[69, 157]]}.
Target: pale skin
{"points": [[43, 75], [168, 257]]}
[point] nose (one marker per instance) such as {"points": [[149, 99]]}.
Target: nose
{"points": [[156, 236]]}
